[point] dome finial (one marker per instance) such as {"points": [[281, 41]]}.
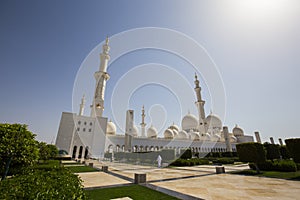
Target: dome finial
{"points": [[196, 77]]}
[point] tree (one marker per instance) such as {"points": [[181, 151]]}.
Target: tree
{"points": [[47, 151], [251, 152], [293, 146], [53, 150], [18, 148]]}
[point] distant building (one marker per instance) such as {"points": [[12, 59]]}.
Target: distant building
{"points": [[92, 136]]}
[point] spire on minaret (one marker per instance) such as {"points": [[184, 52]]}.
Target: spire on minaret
{"points": [[143, 124], [196, 81], [101, 77], [82, 104]]}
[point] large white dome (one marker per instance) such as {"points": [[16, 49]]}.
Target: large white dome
{"points": [[152, 132], [189, 122], [168, 134], [183, 135], [111, 128], [214, 122]]}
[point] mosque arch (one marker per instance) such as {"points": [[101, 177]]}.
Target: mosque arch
{"points": [[117, 148], [86, 153], [74, 152], [141, 148], [80, 152], [123, 148], [110, 148]]}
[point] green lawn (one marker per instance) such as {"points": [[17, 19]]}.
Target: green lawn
{"points": [[78, 169], [272, 174], [132, 191]]}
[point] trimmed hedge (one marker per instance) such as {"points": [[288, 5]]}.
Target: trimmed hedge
{"points": [[278, 165], [251, 152], [293, 146], [284, 152], [187, 154], [272, 151], [223, 161], [190, 162]]}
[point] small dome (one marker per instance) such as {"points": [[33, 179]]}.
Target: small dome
{"points": [[168, 134], [237, 131], [195, 135], [175, 133], [152, 132], [174, 127], [216, 138], [207, 135], [189, 122], [135, 131], [183, 135], [233, 139], [111, 128]]}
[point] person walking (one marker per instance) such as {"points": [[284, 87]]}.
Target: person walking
{"points": [[159, 159]]}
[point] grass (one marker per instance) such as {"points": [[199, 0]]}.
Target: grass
{"points": [[132, 191], [272, 174], [72, 163], [79, 169]]}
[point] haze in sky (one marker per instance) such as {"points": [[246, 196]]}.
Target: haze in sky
{"points": [[254, 44]]}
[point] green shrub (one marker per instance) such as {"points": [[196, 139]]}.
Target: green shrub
{"points": [[277, 165], [293, 146], [58, 183]]}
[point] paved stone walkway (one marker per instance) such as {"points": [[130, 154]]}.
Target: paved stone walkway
{"points": [[200, 182]]}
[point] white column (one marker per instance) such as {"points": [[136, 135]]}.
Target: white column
{"points": [[227, 139], [129, 130]]}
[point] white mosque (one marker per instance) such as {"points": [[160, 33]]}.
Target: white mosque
{"points": [[92, 136]]}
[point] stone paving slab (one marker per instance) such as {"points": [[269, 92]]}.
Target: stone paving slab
{"points": [[205, 184], [98, 179], [227, 186]]}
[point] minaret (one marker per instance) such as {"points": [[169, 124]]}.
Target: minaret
{"points": [[81, 109], [143, 124], [101, 77], [200, 105]]}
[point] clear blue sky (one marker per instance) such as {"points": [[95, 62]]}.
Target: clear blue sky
{"points": [[254, 43]]}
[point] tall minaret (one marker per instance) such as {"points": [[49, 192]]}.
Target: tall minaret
{"points": [[143, 124], [200, 105], [101, 77], [81, 109]]}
